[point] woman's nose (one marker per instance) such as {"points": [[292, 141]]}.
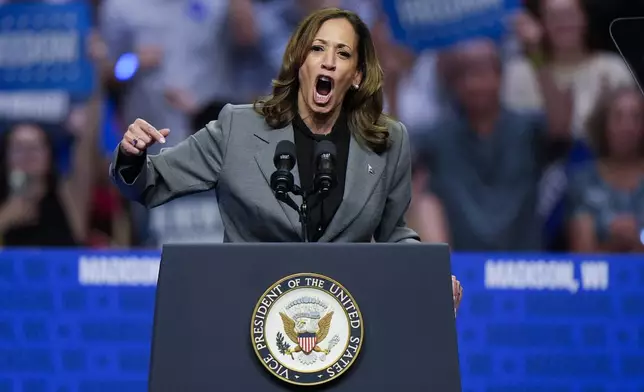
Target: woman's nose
{"points": [[329, 62]]}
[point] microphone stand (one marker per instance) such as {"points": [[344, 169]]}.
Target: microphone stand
{"points": [[303, 209], [304, 213]]}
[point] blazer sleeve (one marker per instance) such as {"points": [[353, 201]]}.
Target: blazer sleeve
{"points": [[393, 227], [192, 166]]}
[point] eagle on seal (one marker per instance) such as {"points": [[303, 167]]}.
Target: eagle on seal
{"points": [[305, 339]]}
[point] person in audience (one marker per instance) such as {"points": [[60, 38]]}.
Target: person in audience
{"points": [[131, 37], [485, 159], [412, 92], [607, 195], [189, 55], [426, 215], [38, 208], [558, 40], [230, 38], [108, 220]]}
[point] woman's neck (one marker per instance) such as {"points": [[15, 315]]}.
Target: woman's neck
{"points": [[569, 56], [624, 165], [320, 124], [623, 173], [484, 121]]}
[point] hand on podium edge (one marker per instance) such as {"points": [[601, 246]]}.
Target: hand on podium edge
{"points": [[457, 293]]}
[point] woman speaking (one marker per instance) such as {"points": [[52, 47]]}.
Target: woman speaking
{"points": [[328, 92], [329, 89]]}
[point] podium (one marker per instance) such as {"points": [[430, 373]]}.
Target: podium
{"points": [[304, 316]]}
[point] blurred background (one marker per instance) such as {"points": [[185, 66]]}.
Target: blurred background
{"points": [[527, 127]]}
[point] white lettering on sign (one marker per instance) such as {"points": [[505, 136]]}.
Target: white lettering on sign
{"points": [[28, 48], [531, 275], [413, 12], [118, 271], [192, 220], [594, 275], [34, 105]]}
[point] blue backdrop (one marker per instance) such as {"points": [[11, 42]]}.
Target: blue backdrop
{"points": [[81, 321], [433, 24], [44, 54], [44, 47]]}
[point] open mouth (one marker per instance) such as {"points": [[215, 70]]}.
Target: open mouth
{"points": [[323, 89]]}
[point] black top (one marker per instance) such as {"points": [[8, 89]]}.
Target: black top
{"points": [[321, 214], [52, 229]]}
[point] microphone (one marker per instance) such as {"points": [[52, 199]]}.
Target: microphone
{"points": [[282, 181], [325, 177]]}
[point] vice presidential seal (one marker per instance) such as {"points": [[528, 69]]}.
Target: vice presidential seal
{"points": [[307, 329]]}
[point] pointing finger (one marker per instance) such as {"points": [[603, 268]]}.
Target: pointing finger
{"points": [[156, 135], [164, 132], [150, 130]]}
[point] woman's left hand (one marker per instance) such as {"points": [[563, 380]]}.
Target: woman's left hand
{"points": [[457, 293], [78, 121], [529, 31]]}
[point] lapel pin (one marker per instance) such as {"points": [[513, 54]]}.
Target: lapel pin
{"points": [[370, 169]]}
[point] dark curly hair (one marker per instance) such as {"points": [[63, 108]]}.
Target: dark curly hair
{"points": [[363, 106]]}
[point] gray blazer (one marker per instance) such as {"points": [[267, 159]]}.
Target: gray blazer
{"points": [[234, 155]]}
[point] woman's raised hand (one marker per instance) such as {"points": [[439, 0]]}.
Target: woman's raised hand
{"points": [[140, 135]]}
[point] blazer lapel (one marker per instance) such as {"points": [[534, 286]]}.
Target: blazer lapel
{"points": [[364, 169], [264, 159]]}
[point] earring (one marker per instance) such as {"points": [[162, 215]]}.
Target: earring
{"points": [[356, 86]]}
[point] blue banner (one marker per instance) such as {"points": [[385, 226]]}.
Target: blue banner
{"points": [[435, 24], [44, 47], [82, 321]]}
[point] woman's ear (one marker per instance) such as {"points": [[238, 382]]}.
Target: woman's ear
{"points": [[357, 79]]}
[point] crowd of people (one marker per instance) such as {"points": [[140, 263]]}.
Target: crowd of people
{"points": [[532, 143]]}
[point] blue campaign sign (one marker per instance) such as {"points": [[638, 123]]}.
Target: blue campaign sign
{"points": [[434, 24], [44, 47], [82, 321]]}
